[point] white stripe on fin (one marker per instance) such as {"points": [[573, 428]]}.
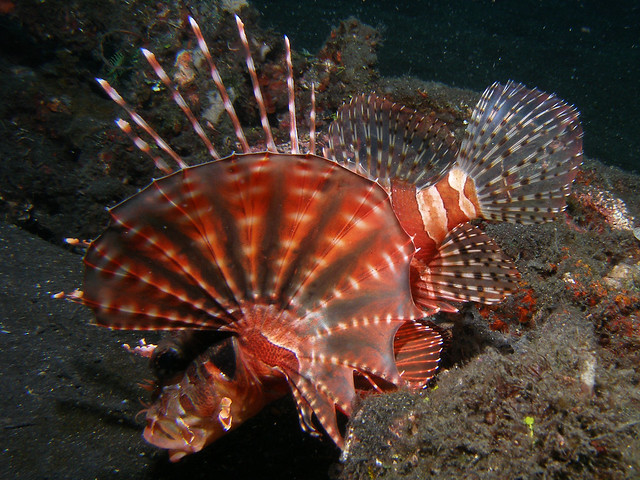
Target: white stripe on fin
{"points": [[271, 146], [385, 141], [522, 149]]}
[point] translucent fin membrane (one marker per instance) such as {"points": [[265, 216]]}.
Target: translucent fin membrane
{"points": [[417, 348], [469, 266], [385, 141], [522, 149]]}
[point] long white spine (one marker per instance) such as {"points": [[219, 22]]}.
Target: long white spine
{"points": [[293, 129], [179, 100], [162, 75], [142, 145], [312, 118], [271, 146], [215, 75], [115, 96]]}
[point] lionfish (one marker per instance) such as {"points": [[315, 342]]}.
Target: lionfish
{"points": [[294, 272]]}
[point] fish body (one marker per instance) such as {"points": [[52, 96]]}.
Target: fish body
{"points": [[300, 261], [293, 272], [516, 163]]}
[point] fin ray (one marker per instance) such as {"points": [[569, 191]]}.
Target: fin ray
{"points": [[469, 266], [522, 149], [417, 348], [384, 141]]}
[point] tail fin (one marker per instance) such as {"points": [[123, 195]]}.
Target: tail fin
{"points": [[417, 348], [522, 149]]}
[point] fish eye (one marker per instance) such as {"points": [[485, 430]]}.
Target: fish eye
{"points": [[167, 361], [223, 356]]}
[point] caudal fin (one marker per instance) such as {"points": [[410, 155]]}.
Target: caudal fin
{"points": [[522, 149]]}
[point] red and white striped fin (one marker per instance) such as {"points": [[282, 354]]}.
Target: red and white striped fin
{"points": [[329, 359], [522, 149], [138, 120], [215, 76], [468, 267], [417, 348], [305, 412], [315, 398], [271, 146], [384, 141], [244, 234], [143, 146], [295, 247]]}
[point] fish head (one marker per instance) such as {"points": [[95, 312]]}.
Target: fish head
{"points": [[194, 407], [185, 417]]}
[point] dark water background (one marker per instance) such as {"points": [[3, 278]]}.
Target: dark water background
{"points": [[588, 52]]}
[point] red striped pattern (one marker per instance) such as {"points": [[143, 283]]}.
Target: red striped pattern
{"points": [[303, 260]]}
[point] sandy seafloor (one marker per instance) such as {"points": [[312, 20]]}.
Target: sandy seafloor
{"points": [[544, 386]]}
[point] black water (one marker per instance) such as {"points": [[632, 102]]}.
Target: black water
{"points": [[588, 52]]}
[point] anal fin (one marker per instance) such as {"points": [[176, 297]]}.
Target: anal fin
{"points": [[469, 266]]}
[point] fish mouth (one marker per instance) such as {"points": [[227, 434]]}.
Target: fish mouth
{"points": [[174, 435], [189, 414]]}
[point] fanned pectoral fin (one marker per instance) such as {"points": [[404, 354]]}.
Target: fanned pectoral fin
{"points": [[330, 359], [325, 384], [469, 266], [318, 397]]}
